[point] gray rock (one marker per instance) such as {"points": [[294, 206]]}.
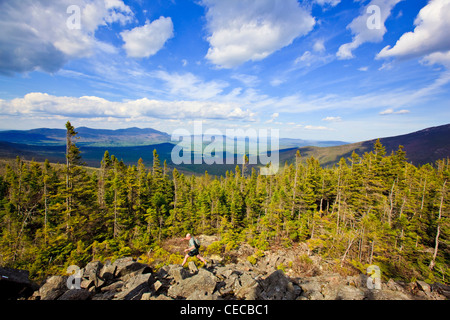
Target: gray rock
{"points": [[161, 297], [192, 267], [53, 288], [315, 295], [204, 282], [442, 289], [108, 295], [108, 271], [146, 296], [277, 287], [248, 288], [387, 295], [392, 285], [350, 293], [223, 272], [15, 283], [126, 266], [87, 283], [202, 295], [156, 286], [425, 287], [134, 288], [92, 269], [178, 273], [75, 294], [114, 287]]}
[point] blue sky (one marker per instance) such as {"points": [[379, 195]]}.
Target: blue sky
{"points": [[347, 70]]}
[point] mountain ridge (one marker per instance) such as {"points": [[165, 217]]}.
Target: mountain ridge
{"points": [[424, 146]]}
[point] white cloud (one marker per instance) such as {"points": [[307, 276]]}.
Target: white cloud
{"points": [[309, 127], [38, 104], [442, 58], [277, 81], [35, 34], [244, 30], [312, 60], [319, 45], [147, 40], [332, 3], [332, 119], [248, 80], [430, 37], [190, 86], [391, 111], [360, 26], [273, 117]]}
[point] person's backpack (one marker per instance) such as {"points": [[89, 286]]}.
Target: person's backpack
{"points": [[196, 243]]}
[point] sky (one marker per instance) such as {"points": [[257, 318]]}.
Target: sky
{"points": [[347, 70]]}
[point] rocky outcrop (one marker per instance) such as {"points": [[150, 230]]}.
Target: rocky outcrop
{"points": [[126, 279], [283, 274], [15, 284]]}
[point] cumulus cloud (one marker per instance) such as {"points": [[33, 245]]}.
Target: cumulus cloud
{"points": [[43, 104], [368, 27], [244, 30], [430, 37], [35, 33], [147, 40]]}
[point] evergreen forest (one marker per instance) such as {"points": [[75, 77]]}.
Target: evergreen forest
{"points": [[376, 208]]}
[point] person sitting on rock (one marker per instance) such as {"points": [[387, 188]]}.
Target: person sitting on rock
{"points": [[192, 251]]}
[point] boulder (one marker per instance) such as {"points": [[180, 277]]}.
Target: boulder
{"points": [[276, 287], [134, 288], [146, 296], [192, 267], [114, 287], [204, 282], [311, 288], [161, 297], [350, 293], [425, 287], [392, 285], [92, 269], [248, 287], [75, 294], [387, 294], [442, 289], [178, 273], [53, 288], [202, 295], [15, 284], [124, 266], [108, 271]]}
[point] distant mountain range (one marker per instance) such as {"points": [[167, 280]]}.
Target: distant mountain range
{"points": [[425, 146], [130, 137], [88, 137], [421, 147]]}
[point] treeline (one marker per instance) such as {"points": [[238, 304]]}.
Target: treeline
{"points": [[375, 209]]}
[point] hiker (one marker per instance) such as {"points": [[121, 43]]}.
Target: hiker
{"points": [[192, 250]]}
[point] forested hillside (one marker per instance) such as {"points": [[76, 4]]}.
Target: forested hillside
{"points": [[375, 209]]}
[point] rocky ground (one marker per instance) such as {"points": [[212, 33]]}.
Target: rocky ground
{"points": [[278, 275]]}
